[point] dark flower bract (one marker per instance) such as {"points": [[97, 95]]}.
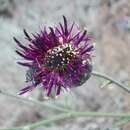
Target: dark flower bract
{"points": [[56, 58]]}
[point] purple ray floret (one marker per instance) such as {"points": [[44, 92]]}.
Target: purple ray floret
{"points": [[58, 57]]}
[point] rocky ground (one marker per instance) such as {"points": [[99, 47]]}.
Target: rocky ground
{"points": [[105, 19]]}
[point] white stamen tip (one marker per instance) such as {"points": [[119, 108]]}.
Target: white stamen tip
{"points": [[60, 39]]}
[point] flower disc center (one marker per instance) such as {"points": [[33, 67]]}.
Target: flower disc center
{"points": [[59, 56]]}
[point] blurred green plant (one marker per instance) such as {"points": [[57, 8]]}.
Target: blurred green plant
{"points": [[122, 121], [66, 113]]}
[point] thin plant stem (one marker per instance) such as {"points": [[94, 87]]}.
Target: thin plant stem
{"points": [[97, 74], [54, 107], [72, 114], [34, 102]]}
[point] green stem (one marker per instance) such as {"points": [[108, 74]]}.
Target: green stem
{"points": [[33, 101], [72, 114], [94, 73]]}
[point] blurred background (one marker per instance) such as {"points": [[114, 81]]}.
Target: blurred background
{"points": [[108, 20]]}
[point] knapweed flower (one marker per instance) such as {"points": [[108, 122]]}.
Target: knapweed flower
{"points": [[56, 58]]}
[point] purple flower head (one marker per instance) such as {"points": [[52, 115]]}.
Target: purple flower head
{"points": [[56, 58]]}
